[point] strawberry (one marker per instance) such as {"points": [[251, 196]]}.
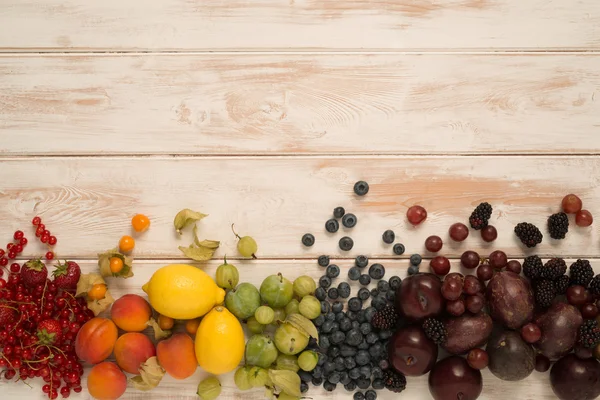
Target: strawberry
{"points": [[8, 315], [67, 275], [49, 331], [34, 273]]}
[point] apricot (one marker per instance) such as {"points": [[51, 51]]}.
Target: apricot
{"points": [[106, 381], [95, 340], [131, 313], [177, 356], [132, 350]]}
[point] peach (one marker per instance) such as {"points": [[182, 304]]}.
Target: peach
{"points": [[131, 313], [177, 356], [106, 381], [95, 340], [132, 350]]}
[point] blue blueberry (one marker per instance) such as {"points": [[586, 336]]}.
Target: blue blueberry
{"points": [[337, 306], [374, 292], [413, 270], [369, 312], [385, 334], [379, 303], [355, 325], [324, 282], [320, 293], [354, 273], [337, 337], [344, 290], [349, 362], [317, 381], [347, 351], [376, 350], [390, 296], [317, 372], [370, 395], [354, 373], [352, 315], [364, 294], [323, 260], [303, 387], [339, 212], [365, 328], [332, 293], [395, 282], [324, 342], [354, 337], [365, 371], [333, 352], [349, 220], [304, 376], [336, 327], [320, 320], [361, 261], [330, 317], [363, 345], [363, 357], [355, 304], [332, 225], [345, 379], [328, 386], [327, 326], [377, 372], [372, 338], [358, 396], [333, 271], [346, 243], [325, 307], [383, 286], [308, 239], [378, 384], [339, 317], [399, 249], [388, 236], [376, 271], [363, 383], [364, 279], [362, 316], [416, 259], [339, 364], [361, 188], [350, 387]]}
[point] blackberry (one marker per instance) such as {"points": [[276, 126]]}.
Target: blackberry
{"points": [[562, 284], [346, 243], [435, 330], [554, 269], [394, 381], [545, 291], [532, 267], [323, 261], [332, 225], [399, 249], [361, 261], [558, 225], [480, 216], [595, 285], [529, 234], [589, 334], [361, 188], [385, 319], [581, 272], [388, 236], [416, 259], [339, 212]]}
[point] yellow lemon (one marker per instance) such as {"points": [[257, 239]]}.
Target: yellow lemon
{"points": [[181, 291], [219, 341]]}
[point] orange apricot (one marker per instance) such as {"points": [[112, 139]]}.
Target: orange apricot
{"points": [[132, 350], [96, 340], [106, 381], [177, 356], [131, 313]]}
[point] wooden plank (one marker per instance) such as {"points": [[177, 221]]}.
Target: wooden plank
{"points": [[534, 387], [300, 104], [306, 24], [88, 202]]}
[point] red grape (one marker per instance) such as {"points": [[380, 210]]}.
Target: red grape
{"points": [[478, 359], [458, 232], [440, 265], [485, 272], [475, 303], [576, 295], [498, 259], [571, 204], [416, 215], [472, 285], [583, 352], [434, 243], [542, 363], [451, 289], [531, 333], [489, 233], [584, 218], [514, 266], [469, 259], [589, 311], [456, 307]]}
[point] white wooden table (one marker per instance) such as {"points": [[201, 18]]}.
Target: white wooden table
{"points": [[266, 113]]}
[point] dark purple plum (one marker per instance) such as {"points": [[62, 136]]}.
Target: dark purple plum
{"points": [[511, 358], [453, 379], [411, 352], [559, 325], [467, 332], [572, 378], [510, 299], [420, 297]]}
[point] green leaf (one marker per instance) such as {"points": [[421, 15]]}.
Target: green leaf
{"points": [[186, 217], [197, 253]]}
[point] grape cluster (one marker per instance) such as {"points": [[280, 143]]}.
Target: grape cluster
{"points": [[463, 293]]}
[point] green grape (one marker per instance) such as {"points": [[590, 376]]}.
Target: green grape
{"points": [[276, 291], [310, 307], [264, 315], [227, 276], [258, 377], [279, 315], [304, 285], [261, 351], [242, 378], [254, 326], [308, 360], [209, 388], [287, 362], [292, 307], [246, 245]]}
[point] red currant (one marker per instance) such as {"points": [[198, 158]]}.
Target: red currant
{"points": [[16, 363], [18, 248], [39, 232], [49, 255], [12, 255], [10, 373], [77, 389], [44, 238], [2, 252], [9, 246], [14, 267], [36, 220], [65, 392], [23, 241], [52, 240], [42, 227], [18, 235], [54, 393], [4, 261]]}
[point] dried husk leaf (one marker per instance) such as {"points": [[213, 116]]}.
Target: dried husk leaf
{"points": [[151, 374], [98, 306], [104, 264], [197, 253], [210, 244], [287, 381], [159, 333], [186, 217], [304, 325]]}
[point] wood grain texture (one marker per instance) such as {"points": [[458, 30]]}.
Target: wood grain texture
{"points": [[300, 104], [88, 202], [306, 24], [535, 387]]}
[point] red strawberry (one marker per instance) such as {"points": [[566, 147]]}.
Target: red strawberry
{"points": [[67, 275], [49, 331], [8, 315], [34, 273]]}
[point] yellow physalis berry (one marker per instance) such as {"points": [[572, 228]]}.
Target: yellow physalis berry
{"points": [[165, 322], [191, 326], [140, 223], [97, 292], [126, 244], [116, 265]]}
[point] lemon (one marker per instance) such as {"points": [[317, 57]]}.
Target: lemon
{"points": [[181, 291], [219, 341]]}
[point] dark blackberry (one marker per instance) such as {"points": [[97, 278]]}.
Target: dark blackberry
{"points": [[544, 291], [435, 330], [581, 272], [532, 267], [385, 319], [562, 284], [529, 234], [558, 225], [589, 334], [553, 269], [394, 381], [480, 216], [595, 285]]}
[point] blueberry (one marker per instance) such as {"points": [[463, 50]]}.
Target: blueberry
{"points": [[395, 282], [339, 212], [361, 188], [355, 304], [363, 383], [363, 357], [355, 325], [354, 273], [339, 317], [319, 320], [303, 387], [337, 306], [378, 384], [320, 293], [350, 387], [333, 271], [327, 326], [370, 395], [325, 307], [336, 327], [413, 270], [345, 324], [415, 259], [363, 345], [324, 282], [344, 378], [379, 303], [323, 260], [332, 293], [308, 239], [337, 337], [361, 261], [344, 290], [364, 294], [349, 220], [399, 249], [354, 373], [358, 396], [377, 372], [352, 315], [349, 362], [322, 360], [330, 317], [304, 376], [369, 312], [330, 387], [384, 364], [376, 271], [346, 243], [362, 316], [364, 279], [390, 296], [365, 371], [374, 292], [328, 368], [324, 342], [333, 352], [354, 337], [383, 286], [365, 328], [317, 372], [372, 338], [385, 334], [317, 381], [388, 236], [347, 351], [334, 378], [339, 364], [376, 350], [332, 225]]}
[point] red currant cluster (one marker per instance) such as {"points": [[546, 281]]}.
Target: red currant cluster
{"points": [[44, 235], [13, 249]]}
